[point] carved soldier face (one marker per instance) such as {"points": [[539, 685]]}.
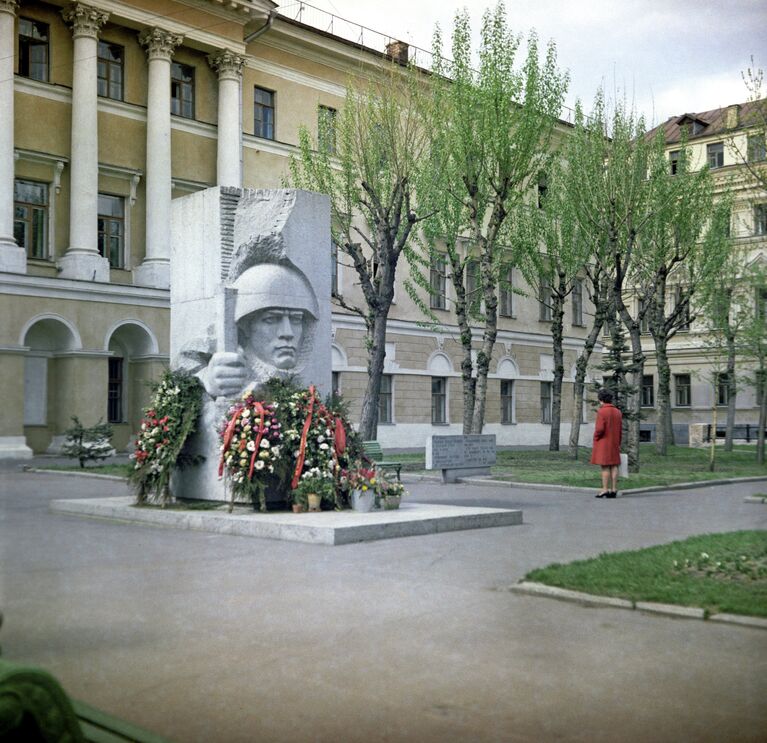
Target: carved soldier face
{"points": [[275, 335]]}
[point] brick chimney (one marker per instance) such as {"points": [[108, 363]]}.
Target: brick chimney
{"points": [[733, 116], [398, 51]]}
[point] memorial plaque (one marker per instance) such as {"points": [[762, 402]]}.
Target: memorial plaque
{"points": [[455, 452]]}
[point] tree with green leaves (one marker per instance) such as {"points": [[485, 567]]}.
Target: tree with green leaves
{"points": [[491, 137], [379, 154]]}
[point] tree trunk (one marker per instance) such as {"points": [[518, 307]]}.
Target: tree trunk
{"points": [[664, 395], [634, 402], [377, 354], [557, 335], [762, 382], [732, 392]]}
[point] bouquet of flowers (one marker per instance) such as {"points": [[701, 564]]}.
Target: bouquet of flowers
{"points": [[165, 427], [251, 448], [360, 478]]}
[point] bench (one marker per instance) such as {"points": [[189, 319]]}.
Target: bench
{"points": [[375, 454], [33, 706]]}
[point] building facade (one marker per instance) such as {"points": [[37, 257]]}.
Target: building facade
{"points": [[112, 108], [730, 141]]}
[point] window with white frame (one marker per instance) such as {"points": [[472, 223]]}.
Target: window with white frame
{"points": [[33, 49], [507, 401], [715, 154], [111, 229], [326, 129], [546, 401], [648, 391], [577, 300], [182, 90], [438, 401], [506, 292], [674, 157], [437, 282], [263, 113], [111, 63], [760, 219], [756, 150], [386, 400], [723, 389], [30, 217], [682, 390]]}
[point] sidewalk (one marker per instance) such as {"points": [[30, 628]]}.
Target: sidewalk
{"points": [[204, 637]]}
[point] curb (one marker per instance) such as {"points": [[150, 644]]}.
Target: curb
{"points": [[669, 610], [755, 499], [94, 475]]}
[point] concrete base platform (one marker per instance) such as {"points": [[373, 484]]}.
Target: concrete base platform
{"points": [[326, 527]]}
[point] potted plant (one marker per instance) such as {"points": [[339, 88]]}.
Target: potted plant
{"points": [[362, 487], [390, 493], [313, 487]]}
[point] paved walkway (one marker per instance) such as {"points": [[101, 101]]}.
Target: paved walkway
{"points": [[204, 637]]}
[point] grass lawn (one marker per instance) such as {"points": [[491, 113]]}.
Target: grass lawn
{"points": [[715, 572], [681, 465]]}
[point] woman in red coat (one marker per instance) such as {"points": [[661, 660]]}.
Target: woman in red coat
{"points": [[607, 443]]}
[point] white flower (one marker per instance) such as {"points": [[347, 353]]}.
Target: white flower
{"points": [[265, 444], [259, 464], [251, 446], [320, 439], [245, 413], [323, 447], [275, 451]]}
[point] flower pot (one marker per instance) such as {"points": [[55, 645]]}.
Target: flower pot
{"points": [[363, 500], [390, 502], [315, 501], [298, 508]]}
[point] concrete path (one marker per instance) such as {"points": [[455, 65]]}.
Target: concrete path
{"points": [[202, 637]]}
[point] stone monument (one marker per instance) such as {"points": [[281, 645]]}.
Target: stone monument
{"points": [[250, 299]]}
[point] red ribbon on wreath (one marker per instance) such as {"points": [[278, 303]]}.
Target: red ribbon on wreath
{"points": [[339, 437], [228, 433], [302, 447], [261, 413]]}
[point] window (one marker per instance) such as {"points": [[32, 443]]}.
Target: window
{"points": [[333, 268], [760, 219], [543, 189], [578, 302], [756, 149], [723, 389], [437, 282], [507, 401], [111, 60], [682, 390], [111, 229], [680, 297], [335, 383], [544, 300], [385, 400], [33, 49], [644, 316], [506, 292], [473, 294], [30, 217], [715, 154], [263, 117], [115, 391], [182, 90], [546, 402], [438, 401], [648, 391], [674, 157], [326, 129], [761, 303]]}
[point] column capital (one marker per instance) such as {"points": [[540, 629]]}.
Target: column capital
{"points": [[84, 19], [9, 6], [159, 43], [227, 64]]}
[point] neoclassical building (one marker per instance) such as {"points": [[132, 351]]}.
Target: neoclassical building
{"points": [[730, 141], [112, 108]]}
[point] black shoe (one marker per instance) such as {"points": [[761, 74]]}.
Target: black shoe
{"points": [[611, 494], [606, 494]]}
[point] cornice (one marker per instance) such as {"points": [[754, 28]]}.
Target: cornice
{"points": [[251, 142], [287, 73]]}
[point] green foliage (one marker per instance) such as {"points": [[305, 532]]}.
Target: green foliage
{"points": [[167, 424], [86, 443], [716, 572]]}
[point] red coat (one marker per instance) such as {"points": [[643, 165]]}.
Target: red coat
{"points": [[607, 436]]}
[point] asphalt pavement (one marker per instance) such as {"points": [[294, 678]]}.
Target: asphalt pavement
{"points": [[207, 637]]}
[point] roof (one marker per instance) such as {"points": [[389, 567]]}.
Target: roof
{"points": [[710, 123]]}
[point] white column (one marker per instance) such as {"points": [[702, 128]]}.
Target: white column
{"points": [[82, 259], [155, 269], [12, 257], [229, 164]]}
